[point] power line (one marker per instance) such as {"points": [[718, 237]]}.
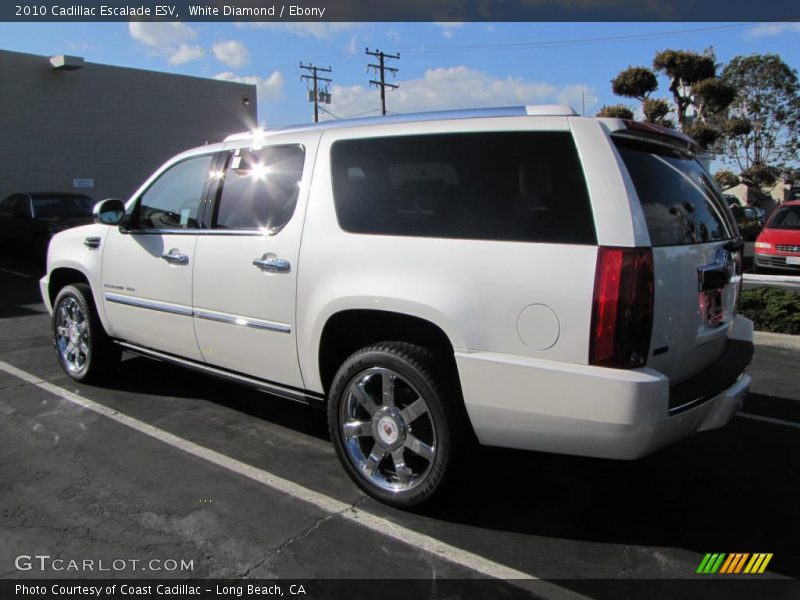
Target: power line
{"points": [[336, 59], [316, 78], [382, 68], [579, 41]]}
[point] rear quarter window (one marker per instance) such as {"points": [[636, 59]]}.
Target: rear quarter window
{"points": [[512, 186], [680, 203]]}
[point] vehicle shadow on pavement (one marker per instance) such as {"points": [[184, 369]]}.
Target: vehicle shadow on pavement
{"points": [[19, 282], [139, 375], [735, 490]]}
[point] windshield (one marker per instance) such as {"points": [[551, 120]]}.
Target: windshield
{"points": [[786, 218], [62, 206]]}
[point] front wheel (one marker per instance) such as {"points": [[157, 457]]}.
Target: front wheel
{"points": [[84, 350], [389, 424]]}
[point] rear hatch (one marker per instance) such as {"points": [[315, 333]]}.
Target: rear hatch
{"points": [[696, 251]]}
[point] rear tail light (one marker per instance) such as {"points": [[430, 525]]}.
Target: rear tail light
{"points": [[622, 314]]}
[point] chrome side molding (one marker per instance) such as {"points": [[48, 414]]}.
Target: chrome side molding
{"points": [[242, 321], [174, 309], [208, 315]]}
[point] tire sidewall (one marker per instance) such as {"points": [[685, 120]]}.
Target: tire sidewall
{"points": [[71, 291], [427, 386]]}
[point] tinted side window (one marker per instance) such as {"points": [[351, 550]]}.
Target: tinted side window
{"points": [[174, 200], [7, 207], [260, 188], [515, 186], [680, 204], [22, 207]]}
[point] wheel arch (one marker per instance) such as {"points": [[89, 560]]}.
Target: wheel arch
{"points": [[349, 330], [62, 277]]}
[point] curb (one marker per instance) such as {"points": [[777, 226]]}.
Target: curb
{"points": [[776, 340], [767, 279]]}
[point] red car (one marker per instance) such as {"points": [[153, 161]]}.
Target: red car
{"points": [[778, 245]]}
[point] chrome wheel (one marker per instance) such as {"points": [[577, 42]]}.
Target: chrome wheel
{"points": [[72, 334], [387, 429]]}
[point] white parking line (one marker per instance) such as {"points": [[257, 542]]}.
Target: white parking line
{"points": [[771, 420], [374, 523], [17, 273]]}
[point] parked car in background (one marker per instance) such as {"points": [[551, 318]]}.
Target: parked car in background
{"points": [[29, 219], [749, 219], [778, 245]]}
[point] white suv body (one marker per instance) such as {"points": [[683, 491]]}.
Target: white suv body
{"points": [[518, 314]]}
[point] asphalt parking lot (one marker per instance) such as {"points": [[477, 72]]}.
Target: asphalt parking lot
{"points": [[165, 464]]}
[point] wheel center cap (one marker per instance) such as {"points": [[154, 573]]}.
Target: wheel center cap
{"points": [[73, 333], [389, 428], [388, 431]]}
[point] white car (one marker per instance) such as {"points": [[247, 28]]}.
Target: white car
{"points": [[525, 277]]}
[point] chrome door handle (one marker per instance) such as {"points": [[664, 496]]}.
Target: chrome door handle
{"points": [[175, 257], [273, 264]]}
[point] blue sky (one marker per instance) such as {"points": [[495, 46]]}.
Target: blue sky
{"points": [[442, 66]]}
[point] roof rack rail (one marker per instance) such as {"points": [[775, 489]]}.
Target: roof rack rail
{"points": [[532, 110]]}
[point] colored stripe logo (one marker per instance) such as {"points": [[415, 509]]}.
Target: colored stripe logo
{"points": [[738, 562]]}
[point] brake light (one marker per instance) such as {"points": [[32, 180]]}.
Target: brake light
{"points": [[622, 313]]}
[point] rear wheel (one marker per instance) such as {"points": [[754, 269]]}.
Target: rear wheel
{"points": [[388, 419], [85, 351]]}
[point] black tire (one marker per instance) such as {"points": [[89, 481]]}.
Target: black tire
{"points": [[76, 325], [427, 442]]}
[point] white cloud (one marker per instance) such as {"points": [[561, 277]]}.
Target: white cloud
{"points": [[269, 88], [448, 27], [352, 45], [169, 40], [160, 35], [320, 31], [184, 53], [231, 53], [773, 29], [459, 87]]}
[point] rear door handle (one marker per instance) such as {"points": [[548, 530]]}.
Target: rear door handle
{"points": [[272, 264], [175, 257]]}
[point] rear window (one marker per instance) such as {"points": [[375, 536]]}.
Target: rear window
{"points": [[46, 207], [513, 186], [681, 205]]}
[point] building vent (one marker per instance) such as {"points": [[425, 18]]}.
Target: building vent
{"points": [[66, 63]]}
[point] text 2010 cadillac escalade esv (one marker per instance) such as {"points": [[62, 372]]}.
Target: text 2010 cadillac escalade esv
{"points": [[523, 276]]}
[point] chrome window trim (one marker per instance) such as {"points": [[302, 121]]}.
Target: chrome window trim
{"points": [[174, 309], [246, 232], [242, 321]]}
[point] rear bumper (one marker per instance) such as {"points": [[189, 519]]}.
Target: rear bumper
{"points": [[534, 404]]}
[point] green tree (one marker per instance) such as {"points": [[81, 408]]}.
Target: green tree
{"points": [[615, 111], [635, 82], [727, 179], [656, 111], [683, 68], [762, 136], [700, 97]]}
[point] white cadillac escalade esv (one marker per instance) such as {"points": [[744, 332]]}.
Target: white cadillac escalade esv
{"points": [[525, 277]]}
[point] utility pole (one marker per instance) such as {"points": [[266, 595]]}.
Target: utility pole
{"points": [[381, 68], [316, 78]]}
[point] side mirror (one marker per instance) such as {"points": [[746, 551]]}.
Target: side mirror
{"points": [[110, 211]]}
